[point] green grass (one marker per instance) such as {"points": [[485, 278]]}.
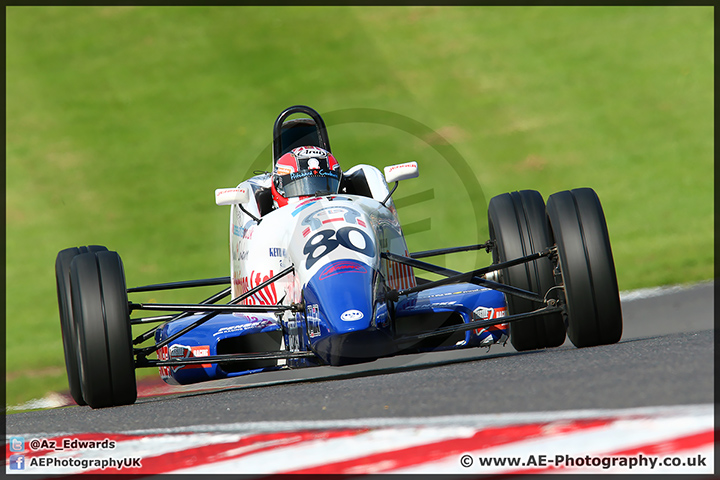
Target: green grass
{"points": [[121, 121]]}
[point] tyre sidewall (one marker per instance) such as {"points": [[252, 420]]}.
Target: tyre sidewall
{"points": [[67, 322], [99, 301], [588, 271], [518, 225]]}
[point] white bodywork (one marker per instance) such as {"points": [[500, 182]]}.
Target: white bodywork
{"points": [[310, 233]]}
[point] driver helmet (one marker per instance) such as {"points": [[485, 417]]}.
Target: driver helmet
{"points": [[305, 172]]}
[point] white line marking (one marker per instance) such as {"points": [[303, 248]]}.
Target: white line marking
{"points": [[629, 296], [480, 420]]}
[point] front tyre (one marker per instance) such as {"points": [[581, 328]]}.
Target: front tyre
{"points": [[67, 321], [587, 268], [518, 227], [104, 338]]}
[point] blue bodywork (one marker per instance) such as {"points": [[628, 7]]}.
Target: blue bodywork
{"points": [[341, 325]]}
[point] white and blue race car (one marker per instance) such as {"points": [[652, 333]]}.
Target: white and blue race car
{"points": [[327, 279]]}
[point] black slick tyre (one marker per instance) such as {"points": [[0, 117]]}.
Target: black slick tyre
{"points": [[518, 227], [67, 322], [104, 338], [587, 267]]}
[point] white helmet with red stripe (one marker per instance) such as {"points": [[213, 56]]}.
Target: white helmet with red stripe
{"points": [[305, 172]]}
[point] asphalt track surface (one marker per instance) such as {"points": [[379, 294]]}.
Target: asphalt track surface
{"points": [[665, 357]]}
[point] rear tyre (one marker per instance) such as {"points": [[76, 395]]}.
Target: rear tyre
{"points": [[104, 338], [587, 268], [67, 322], [518, 227]]}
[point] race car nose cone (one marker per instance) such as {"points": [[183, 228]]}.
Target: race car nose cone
{"points": [[341, 321], [343, 295]]}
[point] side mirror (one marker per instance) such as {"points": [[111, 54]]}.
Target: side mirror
{"points": [[232, 196], [404, 171]]}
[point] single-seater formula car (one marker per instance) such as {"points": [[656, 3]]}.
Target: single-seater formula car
{"points": [[320, 274]]}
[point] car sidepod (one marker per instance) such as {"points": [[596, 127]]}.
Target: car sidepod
{"points": [[450, 305], [223, 334]]}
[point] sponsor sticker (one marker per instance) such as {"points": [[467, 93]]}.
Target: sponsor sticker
{"points": [[313, 321], [266, 296], [225, 191], [332, 214], [243, 326], [402, 166], [307, 152], [494, 333], [486, 313], [303, 205], [182, 351], [352, 316], [177, 351], [284, 170], [341, 266]]}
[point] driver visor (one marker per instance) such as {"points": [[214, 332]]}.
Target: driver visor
{"points": [[307, 183]]}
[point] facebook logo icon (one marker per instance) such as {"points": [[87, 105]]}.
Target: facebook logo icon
{"points": [[17, 444], [17, 462]]}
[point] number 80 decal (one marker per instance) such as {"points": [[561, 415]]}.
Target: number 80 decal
{"points": [[323, 243]]}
